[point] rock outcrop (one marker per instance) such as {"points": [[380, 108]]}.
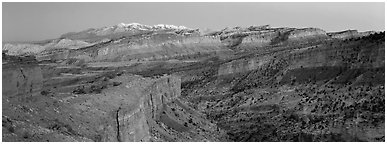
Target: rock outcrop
{"points": [[22, 77], [134, 109], [252, 38], [347, 34], [143, 48], [316, 54], [37, 49], [306, 33], [23, 49], [311, 88]]}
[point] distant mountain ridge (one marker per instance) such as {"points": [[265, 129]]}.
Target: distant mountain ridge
{"points": [[133, 35], [123, 29]]}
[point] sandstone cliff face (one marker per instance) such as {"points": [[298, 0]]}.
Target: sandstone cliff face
{"points": [[21, 79], [362, 53], [69, 44], [304, 92], [259, 39], [170, 119], [37, 49], [57, 54], [158, 95], [137, 109], [350, 34], [243, 65], [270, 36], [307, 33], [154, 47], [135, 117], [118, 114], [344, 34], [22, 49]]}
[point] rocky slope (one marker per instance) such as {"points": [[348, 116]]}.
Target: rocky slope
{"points": [[301, 94], [107, 108], [283, 93]]}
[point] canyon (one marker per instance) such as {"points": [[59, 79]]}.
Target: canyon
{"points": [[133, 82]]}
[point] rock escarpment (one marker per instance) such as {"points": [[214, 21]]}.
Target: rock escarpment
{"points": [[22, 49], [305, 92], [254, 37], [122, 29], [22, 76], [134, 109], [163, 46], [37, 49], [350, 34], [142, 47], [369, 51]]}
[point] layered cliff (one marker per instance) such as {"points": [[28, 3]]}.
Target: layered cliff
{"points": [[22, 77], [297, 92], [132, 109], [37, 49], [258, 37], [369, 51], [152, 46], [136, 42], [347, 34]]}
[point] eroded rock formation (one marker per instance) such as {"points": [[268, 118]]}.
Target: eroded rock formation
{"points": [[137, 109], [22, 76], [350, 34]]}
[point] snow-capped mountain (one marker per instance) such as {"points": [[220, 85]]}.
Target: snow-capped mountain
{"points": [[147, 27], [124, 29], [164, 26]]}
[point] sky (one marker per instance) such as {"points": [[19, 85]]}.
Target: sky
{"points": [[39, 21]]}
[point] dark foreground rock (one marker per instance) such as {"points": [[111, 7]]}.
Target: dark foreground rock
{"points": [[140, 109]]}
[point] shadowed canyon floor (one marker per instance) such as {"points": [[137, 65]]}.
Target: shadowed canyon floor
{"points": [[168, 83]]}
